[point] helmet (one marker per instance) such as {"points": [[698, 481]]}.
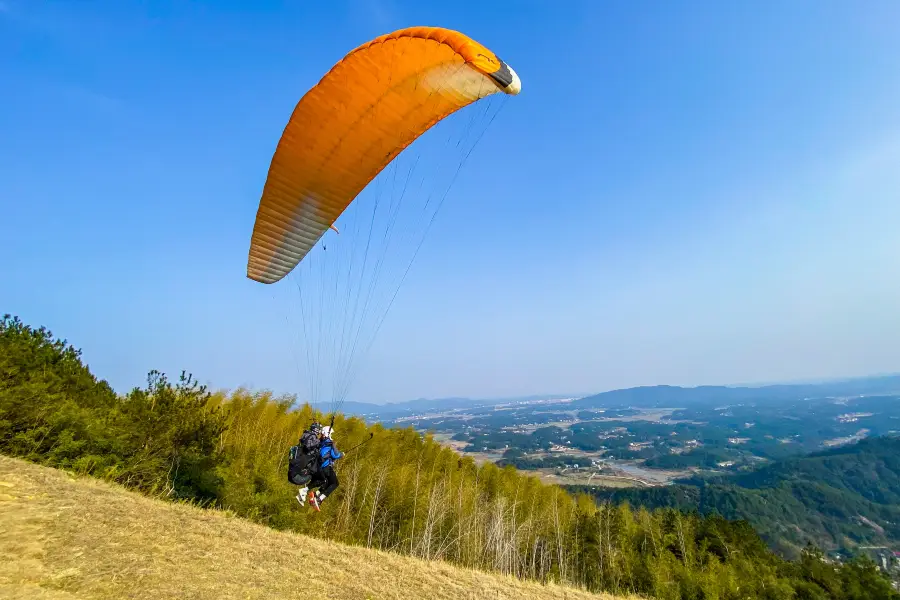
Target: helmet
{"points": [[315, 428], [327, 431]]}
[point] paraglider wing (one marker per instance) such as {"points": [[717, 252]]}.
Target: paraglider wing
{"points": [[353, 123]]}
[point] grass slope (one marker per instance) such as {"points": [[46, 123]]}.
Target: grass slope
{"points": [[63, 537]]}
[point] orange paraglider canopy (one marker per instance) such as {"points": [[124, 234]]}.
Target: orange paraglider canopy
{"points": [[370, 106]]}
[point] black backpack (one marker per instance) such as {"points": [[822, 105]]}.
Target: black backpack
{"points": [[303, 459], [309, 441]]}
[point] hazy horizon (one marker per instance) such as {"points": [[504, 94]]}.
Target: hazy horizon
{"points": [[681, 195], [759, 384]]}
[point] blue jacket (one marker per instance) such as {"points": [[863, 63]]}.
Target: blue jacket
{"points": [[329, 453]]}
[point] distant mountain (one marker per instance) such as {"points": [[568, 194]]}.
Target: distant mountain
{"points": [[350, 407], [839, 499], [660, 396], [667, 396], [409, 407]]}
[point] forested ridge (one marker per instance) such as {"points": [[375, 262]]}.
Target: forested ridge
{"points": [[399, 492], [837, 499]]}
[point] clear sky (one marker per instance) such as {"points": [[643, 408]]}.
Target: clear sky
{"points": [[689, 193]]}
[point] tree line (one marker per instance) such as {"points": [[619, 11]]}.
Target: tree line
{"points": [[400, 492], [839, 499]]}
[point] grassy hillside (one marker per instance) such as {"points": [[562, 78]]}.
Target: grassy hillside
{"points": [[400, 492], [65, 537]]}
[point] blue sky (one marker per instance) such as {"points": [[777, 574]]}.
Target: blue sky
{"points": [[688, 193]]}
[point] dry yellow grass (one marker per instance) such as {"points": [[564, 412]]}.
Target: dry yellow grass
{"points": [[63, 537]]}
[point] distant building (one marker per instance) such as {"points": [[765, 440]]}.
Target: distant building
{"points": [[852, 417]]}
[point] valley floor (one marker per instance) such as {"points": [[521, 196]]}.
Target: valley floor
{"points": [[63, 537]]}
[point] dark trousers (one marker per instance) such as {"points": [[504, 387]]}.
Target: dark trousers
{"points": [[326, 479]]}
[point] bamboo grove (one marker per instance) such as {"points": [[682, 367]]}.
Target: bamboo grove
{"points": [[400, 492]]}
